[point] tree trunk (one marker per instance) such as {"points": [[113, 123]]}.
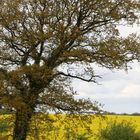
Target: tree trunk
{"points": [[22, 123]]}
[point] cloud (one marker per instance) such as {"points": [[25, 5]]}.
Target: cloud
{"points": [[131, 91], [118, 91], [119, 105]]}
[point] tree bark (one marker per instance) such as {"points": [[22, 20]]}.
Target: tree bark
{"points": [[22, 123]]}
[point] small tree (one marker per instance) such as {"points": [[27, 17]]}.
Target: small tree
{"points": [[42, 42]]}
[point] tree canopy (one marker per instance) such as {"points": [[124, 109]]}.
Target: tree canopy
{"points": [[43, 41]]}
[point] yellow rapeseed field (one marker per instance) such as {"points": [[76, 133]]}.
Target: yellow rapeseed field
{"points": [[63, 127]]}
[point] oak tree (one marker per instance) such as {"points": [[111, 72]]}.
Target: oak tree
{"points": [[44, 44]]}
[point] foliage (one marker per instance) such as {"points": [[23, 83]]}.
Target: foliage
{"points": [[56, 127], [135, 114], [60, 126], [83, 137], [5, 126], [44, 44], [119, 131]]}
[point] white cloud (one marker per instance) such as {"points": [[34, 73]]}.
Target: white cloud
{"points": [[119, 91], [131, 91]]}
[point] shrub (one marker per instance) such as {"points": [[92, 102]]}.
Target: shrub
{"points": [[119, 131]]}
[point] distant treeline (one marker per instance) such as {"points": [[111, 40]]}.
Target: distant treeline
{"points": [[7, 110], [113, 113]]}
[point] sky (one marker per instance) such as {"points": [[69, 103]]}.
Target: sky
{"points": [[117, 91]]}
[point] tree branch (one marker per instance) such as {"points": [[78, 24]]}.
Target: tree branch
{"points": [[91, 79]]}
